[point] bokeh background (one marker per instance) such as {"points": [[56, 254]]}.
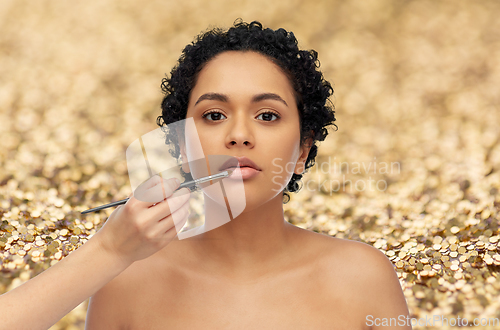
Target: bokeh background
{"points": [[416, 84]]}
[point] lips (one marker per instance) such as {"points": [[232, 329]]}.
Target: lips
{"points": [[242, 162]]}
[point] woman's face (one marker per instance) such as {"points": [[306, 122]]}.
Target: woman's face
{"points": [[243, 105]]}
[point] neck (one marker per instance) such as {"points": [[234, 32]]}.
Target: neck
{"points": [[250, 244]]}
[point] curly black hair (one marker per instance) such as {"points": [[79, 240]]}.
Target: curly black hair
{"points": [[312, 91]]}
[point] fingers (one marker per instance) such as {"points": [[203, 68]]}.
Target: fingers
{"points": [[155, 180], [156, 189], [171, 204], [174, 222]]}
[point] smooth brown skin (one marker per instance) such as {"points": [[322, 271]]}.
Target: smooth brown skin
{"points": [[257, 271]]}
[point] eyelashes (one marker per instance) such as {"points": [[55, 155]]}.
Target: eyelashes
{"points": [[218, 114], [209, 113]]}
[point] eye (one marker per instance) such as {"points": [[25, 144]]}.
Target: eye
{"points": [[268, 115], [215, 115]]}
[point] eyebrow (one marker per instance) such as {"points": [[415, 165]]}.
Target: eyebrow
{"points": [[255, 99]]}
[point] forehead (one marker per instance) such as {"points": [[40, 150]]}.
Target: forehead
{"points": [[240, 73]]}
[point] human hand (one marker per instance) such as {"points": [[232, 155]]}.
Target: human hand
{"points": [[140, 228]]}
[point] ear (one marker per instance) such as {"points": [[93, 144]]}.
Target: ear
{"points": [[185, 164], [300, 167]]}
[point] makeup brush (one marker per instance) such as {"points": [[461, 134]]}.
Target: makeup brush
{"points": [[188, 184]]}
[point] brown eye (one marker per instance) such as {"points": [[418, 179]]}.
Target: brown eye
{"points": [[268, 116], [213, 116]]}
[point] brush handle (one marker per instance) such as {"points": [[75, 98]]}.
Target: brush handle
{"points": [[182, 185], [102, 207], [123, 201]]}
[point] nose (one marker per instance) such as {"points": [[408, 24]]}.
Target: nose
{"points": [[240, 133]]}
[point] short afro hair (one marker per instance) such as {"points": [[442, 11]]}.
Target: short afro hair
{"points": [[312, 91]]}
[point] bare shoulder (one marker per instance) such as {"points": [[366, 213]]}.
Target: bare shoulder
{"points": [[367, 278], [352, 254], [368, 262]]}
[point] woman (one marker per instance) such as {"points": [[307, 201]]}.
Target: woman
{"points": [[253, 95]]}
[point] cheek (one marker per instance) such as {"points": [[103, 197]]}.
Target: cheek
{"points": [[280, 174], [284, 149], [211, 142], [194, 148], [282, 165]]}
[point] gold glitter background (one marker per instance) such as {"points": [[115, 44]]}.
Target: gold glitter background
{"points": [[416, 87]]}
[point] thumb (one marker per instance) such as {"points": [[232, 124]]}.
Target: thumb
{"points": [[155, 193]]}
